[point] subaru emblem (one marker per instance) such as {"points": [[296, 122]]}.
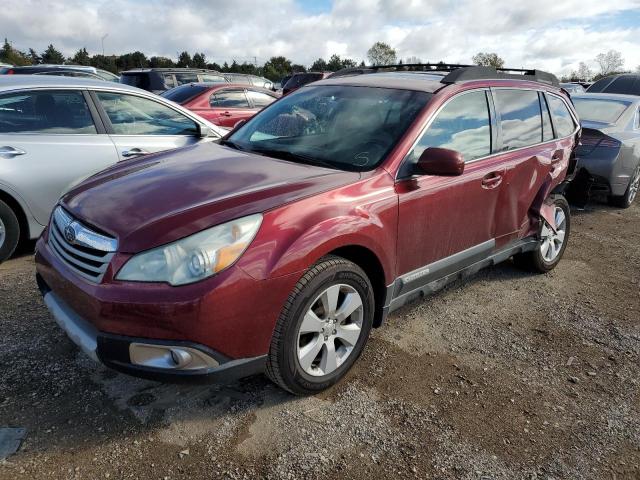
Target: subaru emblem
{"points": [[69, 234]]}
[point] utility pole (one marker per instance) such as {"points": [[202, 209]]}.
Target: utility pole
{"points": [[102, 40]]}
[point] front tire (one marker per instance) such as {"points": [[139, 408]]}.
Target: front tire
{"points": [[625, 201], [9, 231], [552, 244], [323, 327]]}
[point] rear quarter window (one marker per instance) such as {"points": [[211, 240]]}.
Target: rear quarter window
{"points": [[139, 80], [562, 120]]}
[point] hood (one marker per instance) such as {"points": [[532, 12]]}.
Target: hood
{"points": [[160, 198]]}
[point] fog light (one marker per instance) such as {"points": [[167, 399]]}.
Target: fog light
{"points": [[180, 357]]}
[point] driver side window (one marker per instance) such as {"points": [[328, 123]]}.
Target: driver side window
{"points": [[463, 125], [132, 115]]}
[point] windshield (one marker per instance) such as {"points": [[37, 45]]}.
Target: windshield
{"points": [[600, 110], [343, 127], [184, 93]]}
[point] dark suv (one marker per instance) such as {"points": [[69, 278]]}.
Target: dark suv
{"points": [[281, 248], [157, 80], [626, 83]]}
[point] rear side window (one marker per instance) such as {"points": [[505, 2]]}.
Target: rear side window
{"points": [[629, 85], [139, 80], [182, 78], [132, 115], [239, 79], [520, 119], [600, 85], [207, 77], [229, 99], [462, 125], [259, 99], [168, 80], [562, 119], [43, 112], [547, 127]]}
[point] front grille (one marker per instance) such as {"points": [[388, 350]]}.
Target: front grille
{"points": [[86, 252]]}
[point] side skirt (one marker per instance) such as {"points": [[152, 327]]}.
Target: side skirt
{"points": [[433, 277]]}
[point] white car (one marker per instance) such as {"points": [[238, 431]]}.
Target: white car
{"points": [[55, 131]]}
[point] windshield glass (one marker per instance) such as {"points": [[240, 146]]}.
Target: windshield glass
{"points": [[600, 110], [349, 128]]}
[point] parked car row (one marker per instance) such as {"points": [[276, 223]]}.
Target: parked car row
{"points": [[327, 209]]}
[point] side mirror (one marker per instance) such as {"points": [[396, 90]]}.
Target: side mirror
{"points": [[204, 131], [440, 161]]}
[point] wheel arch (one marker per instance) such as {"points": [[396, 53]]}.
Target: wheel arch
{"points": [[369, 262], [21, 215]]}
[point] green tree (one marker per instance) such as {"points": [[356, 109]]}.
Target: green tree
{"points": [[160, 62], [184, 60], [214, 66], [199, 61], [34, 58], [488, 60], [81, 57], [277, 67], [135, 59], [320, 65], [336, 63], [10, 55], [297, 68], [104, 62], [52, 56], [381, 53]]}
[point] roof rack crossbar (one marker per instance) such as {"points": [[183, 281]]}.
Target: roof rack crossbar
{"points": [[456, 72]]}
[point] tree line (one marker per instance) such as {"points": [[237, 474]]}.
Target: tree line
{"points": [[276, 67]]}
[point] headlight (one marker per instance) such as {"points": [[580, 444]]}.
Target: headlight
{"points": [[193, 258]]}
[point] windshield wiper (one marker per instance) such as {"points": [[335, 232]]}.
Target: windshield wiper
{"points": [[229, 143], [295, 157]]}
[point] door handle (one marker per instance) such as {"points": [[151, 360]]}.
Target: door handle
{"points": [[11, 151], [133, 152], [225, 114], [557, 156], [492, 180]]}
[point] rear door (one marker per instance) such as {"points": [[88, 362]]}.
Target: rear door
{"points": [[49, 140], [139, 125], [229, 106], [449, 222]]}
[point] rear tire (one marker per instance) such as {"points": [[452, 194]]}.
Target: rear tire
{"points": [[9, 231], [552, 244], [323, 327], [625, 201]]}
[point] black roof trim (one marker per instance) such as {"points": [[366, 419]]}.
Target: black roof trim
{"points": [[456, 72]]}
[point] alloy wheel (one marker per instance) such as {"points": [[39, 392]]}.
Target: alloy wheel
{"points": [[634, 186], [330, 330], [552, 241], [3, 233]]}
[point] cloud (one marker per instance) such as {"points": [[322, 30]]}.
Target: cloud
{"points": [[548, 34]]}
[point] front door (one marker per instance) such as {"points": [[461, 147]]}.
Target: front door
{"points": [[446, 223], [229, 106], [48, 142], [140, 125]]}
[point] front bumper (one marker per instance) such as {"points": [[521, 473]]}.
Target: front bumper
{"points": [[146, 358]]}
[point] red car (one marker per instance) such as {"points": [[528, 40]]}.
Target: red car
{"points": [[278, 250], [224, 104]]}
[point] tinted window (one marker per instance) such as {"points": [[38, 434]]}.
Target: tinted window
{"points": [[184, 93], [182, 78], [131, 115], [462, 125], [547, 128], [562, 119], [600, 110], [140, 80], [259, 99], [169, 81], [45, 112], [519, 117], [207, 77], [346, 127], [229, 99], [600, 85], [626, 84]]}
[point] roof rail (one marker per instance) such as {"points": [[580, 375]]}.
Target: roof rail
{"points": [[456, 72]]}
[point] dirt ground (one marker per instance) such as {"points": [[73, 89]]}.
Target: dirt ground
{"points": [[506, 375]]}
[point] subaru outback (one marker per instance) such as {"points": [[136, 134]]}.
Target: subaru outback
{"points": [[280, 249]]}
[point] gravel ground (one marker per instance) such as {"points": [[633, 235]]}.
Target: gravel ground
{"points": [[506, 375]]}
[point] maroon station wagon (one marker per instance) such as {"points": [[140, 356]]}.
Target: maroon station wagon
{"points": [[278, 250]]}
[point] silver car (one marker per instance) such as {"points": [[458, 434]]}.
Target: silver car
{"points": [[609, 151], [55, 131]]}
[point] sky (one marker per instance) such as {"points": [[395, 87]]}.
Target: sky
{"points": [[553, 35]]}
